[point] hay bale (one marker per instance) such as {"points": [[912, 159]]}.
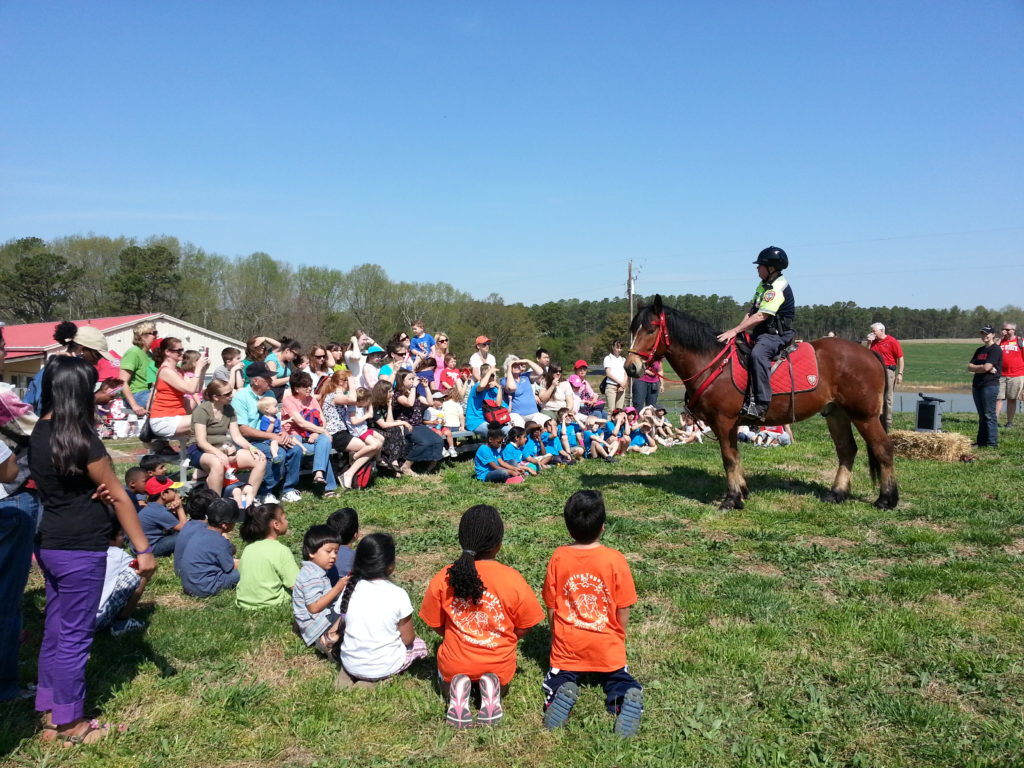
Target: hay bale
{"points": [[937, 446]]}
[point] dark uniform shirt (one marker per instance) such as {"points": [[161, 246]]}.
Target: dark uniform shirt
{"points": [[775, 299]]}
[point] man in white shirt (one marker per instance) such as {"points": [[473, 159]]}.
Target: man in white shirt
{"points": [[617, 383]]}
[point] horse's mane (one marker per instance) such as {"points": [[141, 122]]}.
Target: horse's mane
{"points": [[685, 329]]}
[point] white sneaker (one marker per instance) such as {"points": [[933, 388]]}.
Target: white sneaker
{"points": [[291, 495], [229, 474], [269, 499]]}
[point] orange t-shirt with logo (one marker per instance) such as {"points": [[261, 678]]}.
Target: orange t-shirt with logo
{"points": [[585, 588], [481, 638]]}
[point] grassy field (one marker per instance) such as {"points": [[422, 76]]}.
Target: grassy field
{"points": [[938, 365], [792, 633]]}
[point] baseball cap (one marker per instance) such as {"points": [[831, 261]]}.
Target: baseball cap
{"points": [[630, 409], [154, 345], [92, 338], [160, 483], [581, 364], [987, 329], [576, 381], [373, 350], [482, 340], [259, 370]]}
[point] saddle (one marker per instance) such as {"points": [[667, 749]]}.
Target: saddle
{"points": [[794, 369]]}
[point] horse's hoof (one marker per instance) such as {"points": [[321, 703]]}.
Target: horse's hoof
{"points": [[731, 502], [745, 492], [884, 502], [836, 497]]}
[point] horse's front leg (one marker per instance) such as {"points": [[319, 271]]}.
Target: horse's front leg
{"points": [[736, 485]]}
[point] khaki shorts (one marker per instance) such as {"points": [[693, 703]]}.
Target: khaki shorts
{"points": [[1010, 388]]}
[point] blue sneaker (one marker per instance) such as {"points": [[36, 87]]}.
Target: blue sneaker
{"points": [[627, 722], [561, 705]]}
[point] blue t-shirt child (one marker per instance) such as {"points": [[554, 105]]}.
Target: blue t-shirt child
{"points": [[570, 433], [422, 343], [188, 530], [588, 436], [342, 566], [207, 564], [512, 454], [157, 521], [484, 456], [531, 448]]}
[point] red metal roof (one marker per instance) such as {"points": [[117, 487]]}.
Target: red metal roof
{"points": [[36, 338]]}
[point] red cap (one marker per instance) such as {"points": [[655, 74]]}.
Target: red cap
{"points": [[154, 345], [158, 484], [581, 364], [482, 340]]}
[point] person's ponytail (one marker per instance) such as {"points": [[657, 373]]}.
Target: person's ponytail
{"points": [[480, 534]]}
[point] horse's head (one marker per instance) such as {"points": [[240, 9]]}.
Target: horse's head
{"points": [[649, 338]]}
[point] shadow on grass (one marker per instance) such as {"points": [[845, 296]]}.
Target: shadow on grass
{"points": [[113, 663], [706, 487]]}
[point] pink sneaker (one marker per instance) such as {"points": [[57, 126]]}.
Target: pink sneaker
{"points": [[458, 715], [490, 700]]}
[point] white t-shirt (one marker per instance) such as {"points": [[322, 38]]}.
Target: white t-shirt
{"points": [[369, 375], [559, 398], [117, 561], [475, 361], [615, 365], [373, 648], [453, 413], [354, 360]]}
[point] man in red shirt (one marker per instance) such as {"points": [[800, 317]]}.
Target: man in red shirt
{"points": [[1011, 383], [889, 349]]}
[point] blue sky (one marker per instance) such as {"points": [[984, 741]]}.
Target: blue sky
{"points": [[534, 148]]}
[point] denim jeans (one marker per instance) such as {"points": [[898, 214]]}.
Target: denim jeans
{"points": [[322, 460], [985, 402], [645, 393], [18, 517], [286, 471]]}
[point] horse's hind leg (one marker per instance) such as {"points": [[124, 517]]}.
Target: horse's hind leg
{"points": [[846, 448], [880, 461]]}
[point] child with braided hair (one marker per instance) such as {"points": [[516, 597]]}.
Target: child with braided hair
{"points": [[481, 609], [380, 639]]}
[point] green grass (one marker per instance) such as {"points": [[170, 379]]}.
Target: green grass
{"points": [[791, 633], [942, 364]]}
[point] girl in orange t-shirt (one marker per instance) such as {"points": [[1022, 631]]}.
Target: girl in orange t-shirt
{"points": [[481, 609]]}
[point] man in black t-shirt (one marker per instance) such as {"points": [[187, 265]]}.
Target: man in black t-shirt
{"points": [[986, 365]]}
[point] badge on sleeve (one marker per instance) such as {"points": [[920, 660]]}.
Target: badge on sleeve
{"points": [[768, 296]]}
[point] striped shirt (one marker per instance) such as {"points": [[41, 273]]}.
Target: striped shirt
{"points": [[310, 585]]}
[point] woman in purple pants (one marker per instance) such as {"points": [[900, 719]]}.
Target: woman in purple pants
{"points": [[73, 473]]}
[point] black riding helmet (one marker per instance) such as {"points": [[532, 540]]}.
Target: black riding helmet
{"points": [[773, 257]]}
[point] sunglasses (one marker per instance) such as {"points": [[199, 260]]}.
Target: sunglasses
{"points": [[178, 349], [320, 357], [440, 340]]}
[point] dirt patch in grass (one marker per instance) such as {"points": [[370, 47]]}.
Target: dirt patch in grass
{"points": [[176, 601], [918, 522], [1016, 548], [421, 567], [728, 622], [760, 568], [269, 663], [829, 542], [714, 534]]}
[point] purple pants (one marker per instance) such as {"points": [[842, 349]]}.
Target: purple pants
{"points": [[74, 583]]}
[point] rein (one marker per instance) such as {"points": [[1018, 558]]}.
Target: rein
{"points": [[661, 346], [722, 359]]}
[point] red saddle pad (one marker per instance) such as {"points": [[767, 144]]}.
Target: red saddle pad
{"points": [[805, 372]]}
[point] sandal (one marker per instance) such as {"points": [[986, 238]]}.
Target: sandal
{"points": [[329, 495], [94, 731], [318, 478]]}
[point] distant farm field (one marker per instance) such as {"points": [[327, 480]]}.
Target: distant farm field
{"points": [[938, 364]]}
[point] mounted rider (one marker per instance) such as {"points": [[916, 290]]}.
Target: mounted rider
{"points": [[770, 322]]}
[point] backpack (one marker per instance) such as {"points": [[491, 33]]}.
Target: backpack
{"points": [[496, 414], [364, 476]]}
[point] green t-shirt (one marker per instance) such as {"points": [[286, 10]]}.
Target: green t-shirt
{"points": [[268, 570], [142, 368]]}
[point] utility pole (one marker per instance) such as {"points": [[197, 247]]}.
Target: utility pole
{"points": [[632, 311]]}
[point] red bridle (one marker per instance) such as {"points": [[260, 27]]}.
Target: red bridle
{"points": [[661, 344]]}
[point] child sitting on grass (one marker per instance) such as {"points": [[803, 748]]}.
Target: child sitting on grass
{"points": [[534, 450], [512, 451], [642, 440], [345, 523], [196, 505], [555, 445], [163, 516], [208, 565], [313, 595], [122, 588], [380, 639], [267, 568], [135, 486], [569, 434], [594, 443], [588, 591], [153, 464], [488, 464], [481, 609]]}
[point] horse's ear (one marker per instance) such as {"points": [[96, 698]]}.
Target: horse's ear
{"points": [[656, 306]]}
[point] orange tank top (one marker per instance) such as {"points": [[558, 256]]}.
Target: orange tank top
{"points": [[167, 401]]}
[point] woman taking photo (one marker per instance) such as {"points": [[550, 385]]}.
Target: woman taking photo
{"points": [[321, 365], [169, 415], [411, 400], [555, 393], [72, 472], [217, 445]]}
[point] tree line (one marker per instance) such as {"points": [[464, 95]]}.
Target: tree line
{"points": [[86, 276]]}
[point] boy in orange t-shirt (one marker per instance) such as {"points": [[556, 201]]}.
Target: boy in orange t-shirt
{"points": [[588, 591], [481, 609]]}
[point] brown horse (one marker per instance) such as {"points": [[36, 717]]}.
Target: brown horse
{"points": [[851, 384]]}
